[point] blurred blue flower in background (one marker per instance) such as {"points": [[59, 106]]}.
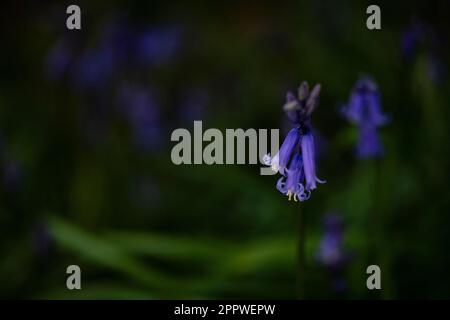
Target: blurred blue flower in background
{"points": [[140, 108], [364, 110], [41, 238], [421, 37], [118, 45], [120, 37], [369, 143], [296, 157], [331, 252], [411, 38], [93, 69], [156, 46]]}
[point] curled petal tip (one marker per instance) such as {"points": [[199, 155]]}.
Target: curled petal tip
{"points": [[303, 91], [313, 99], [316, 90], [267, 159]]}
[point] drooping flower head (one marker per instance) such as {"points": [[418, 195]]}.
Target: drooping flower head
{"points": [[364, 110], [295, 160]]}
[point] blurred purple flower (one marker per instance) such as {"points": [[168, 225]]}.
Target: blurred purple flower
{"points": [[364, 104], [296, 158], [290, 184], [331, 252], [411, 38], [120, 38], [41, 238], [156, 46], [369, 144], [141, 110], [91, 68], [94, 68], [118, 45], [364, 110], [421, 36]]}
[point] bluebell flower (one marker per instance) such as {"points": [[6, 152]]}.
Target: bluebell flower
{"points": [[41, 238], [120, 37], [94, 68], [157, 45], [411, 38], [364, 110], [142, 112], [421, 37], [295, 160], [331, 251], [369, 143]]}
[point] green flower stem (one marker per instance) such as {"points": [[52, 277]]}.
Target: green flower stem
{"points": [[301, 279]]}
